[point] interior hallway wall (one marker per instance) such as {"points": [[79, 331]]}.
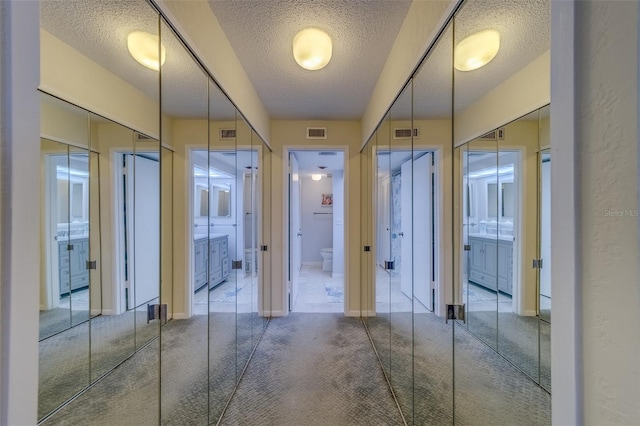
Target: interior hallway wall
{"points": [[609, 263], [317, 229], [19, 203], [291, 134]]}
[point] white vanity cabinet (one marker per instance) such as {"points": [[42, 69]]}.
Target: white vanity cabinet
{"points": [[200, 262], [72, 264], [491, 263], [218, 250], [218, 260]]}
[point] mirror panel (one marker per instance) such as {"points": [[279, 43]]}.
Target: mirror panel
{"points": [[544, 246], [223, 295], [380, 325], [244, 278], [432, 149], [113, 329], [184, 109], [517, 244], [251, 215], [401, 284]]}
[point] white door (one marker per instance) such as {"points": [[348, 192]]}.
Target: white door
{"points": [[384, 221], [416, 236], [422, 229], [295, 228], [406, 232], [545, 229], [142, 229]]}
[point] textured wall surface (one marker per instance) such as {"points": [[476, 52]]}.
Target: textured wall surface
{"points": [[607, 140]]}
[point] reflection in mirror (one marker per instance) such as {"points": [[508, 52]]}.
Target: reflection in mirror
{"points": [[184, 106], [112, 333], [501, 177], [544, 244], [244, 277], [401, 163], [432, 147], [220, 297], [64, 289], [379, 324]]}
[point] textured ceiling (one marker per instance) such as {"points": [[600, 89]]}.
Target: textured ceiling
{"points": [[261, 33]]}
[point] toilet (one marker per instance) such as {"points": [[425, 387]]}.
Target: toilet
{"points": [[327, 259]]}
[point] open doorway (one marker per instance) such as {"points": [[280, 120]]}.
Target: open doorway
{"points": [[316, 231]]}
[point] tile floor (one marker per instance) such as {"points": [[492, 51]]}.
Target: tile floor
{"points": [[318, 291]]}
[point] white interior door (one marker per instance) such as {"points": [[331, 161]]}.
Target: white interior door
{"points": [[406, 233], [143, 229], [545, 229], [295, 228], [422, 229]]}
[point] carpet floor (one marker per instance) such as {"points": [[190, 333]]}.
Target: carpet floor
{"points": [[312, 369]]}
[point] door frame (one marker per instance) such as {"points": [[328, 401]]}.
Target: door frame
{"points": [[441, 284], [287, 149]]}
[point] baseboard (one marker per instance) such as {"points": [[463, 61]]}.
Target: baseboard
{"points": [[107, 312], [368, 313], [352, 313], [95, 312], [180, 315], [312, 263], [279, 313], [529, 313]]}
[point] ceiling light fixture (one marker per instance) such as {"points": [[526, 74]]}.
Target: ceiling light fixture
{"points": [[477, 50], [312, 49], [144, 49], [316, 177]]}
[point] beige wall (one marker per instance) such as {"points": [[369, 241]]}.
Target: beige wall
{"points": [[68, 74], [523, 92], [290, 135], [198, 25], [423, 21]]}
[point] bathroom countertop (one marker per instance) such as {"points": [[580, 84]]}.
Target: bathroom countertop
{"points": [[212, 235], [72, 237], [500, 237]]}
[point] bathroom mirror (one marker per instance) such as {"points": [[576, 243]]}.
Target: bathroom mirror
{"points": [[220, 200], [201, 197]]}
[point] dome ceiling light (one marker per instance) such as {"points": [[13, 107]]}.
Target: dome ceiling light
{"points": [[144, 49], [312, 49], [477, 50]]}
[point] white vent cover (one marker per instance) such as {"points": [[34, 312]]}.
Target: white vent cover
{"points": [[493, 135], [141, 137], [316, 132], [406, 133], [227, 134]]}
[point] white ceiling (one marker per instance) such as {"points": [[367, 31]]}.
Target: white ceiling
{"points": [[310, 161], [261, 32]]}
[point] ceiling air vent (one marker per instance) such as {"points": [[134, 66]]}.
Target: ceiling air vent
{"points": [[316, 132], [406, 133], [227, 134], [141, 137], [493, 135]]}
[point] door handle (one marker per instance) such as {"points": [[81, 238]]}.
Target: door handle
{"points": [[401, 234], [299, 234]]}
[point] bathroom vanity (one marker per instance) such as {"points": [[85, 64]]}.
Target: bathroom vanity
{"points": [[491, 261], [218, 260], [72, 264]]}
